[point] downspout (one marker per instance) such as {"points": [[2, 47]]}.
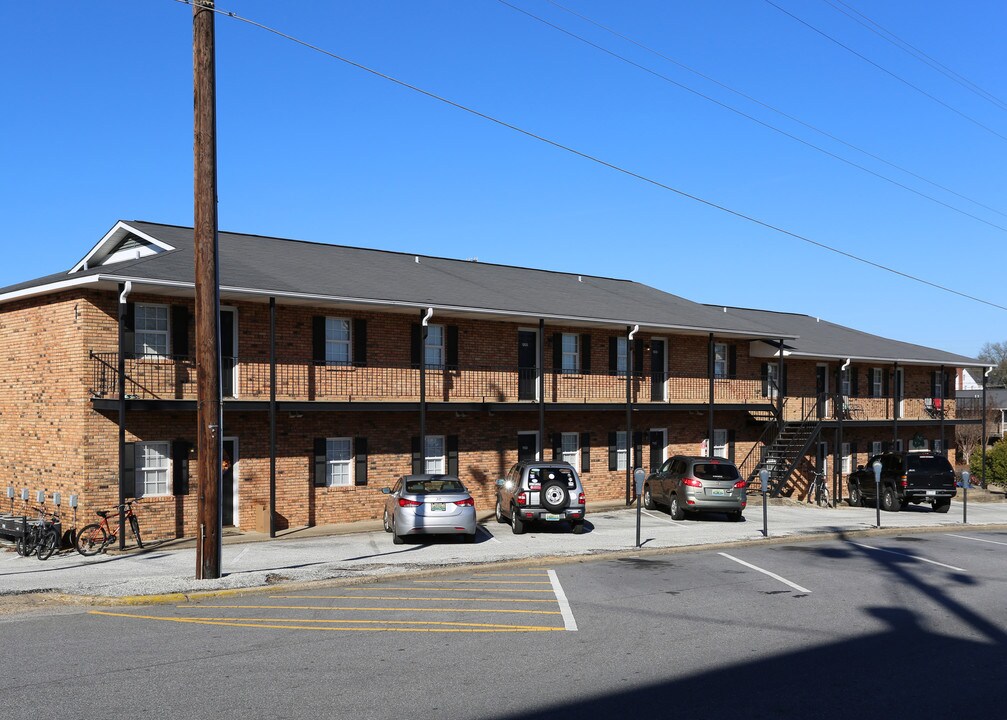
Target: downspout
{"points": [[425, 316], [629, 412], [127, 287]]}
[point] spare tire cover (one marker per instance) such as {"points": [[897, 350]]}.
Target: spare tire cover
{"points": [[554, 495]]}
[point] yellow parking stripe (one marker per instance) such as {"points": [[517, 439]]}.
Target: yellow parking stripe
{"points": [[366, 609], [492, 582], [509, 575], [440, 589], [393, 597], [240, 623]]}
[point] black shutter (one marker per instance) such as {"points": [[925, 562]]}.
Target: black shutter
{"points": [[585, 452], [557, 446], [613, 356], [179, 330], [318, 340], [732, 361], [321, 463], [451, 348], [360, 461], [885, 383], [180, 467], [360, 342], [451, 444], [417, 457], [416, 345], [854, 389], [585, 353], [764, 370], [129, 471], [129, 328], [557, 351], [730, 445], [638, 356], [613, 455]]}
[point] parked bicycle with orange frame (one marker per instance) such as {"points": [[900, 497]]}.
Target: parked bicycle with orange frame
{"points": [[94, 538]]}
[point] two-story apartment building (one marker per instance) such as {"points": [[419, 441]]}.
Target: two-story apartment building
{"points": [[344, 368]]}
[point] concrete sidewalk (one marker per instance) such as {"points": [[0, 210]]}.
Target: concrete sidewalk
{"points": [[363, 550]]}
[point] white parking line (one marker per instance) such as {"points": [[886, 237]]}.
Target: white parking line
{"points": [[766, 572], [564, 605], [914, 557], [966, 537], [667, 520], [238, 557]]}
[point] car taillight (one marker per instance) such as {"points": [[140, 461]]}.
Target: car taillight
{"points": [[408, 503], [580, 499], [522, 498], [692, 482], [741, 484], [904, 481], [466, 503]]}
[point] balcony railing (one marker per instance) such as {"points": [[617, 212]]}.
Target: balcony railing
{"points": [[247, 378]]}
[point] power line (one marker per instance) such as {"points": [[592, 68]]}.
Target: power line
{"points": [[887, 71], [910, 49], [771, 108], [599, 161]]}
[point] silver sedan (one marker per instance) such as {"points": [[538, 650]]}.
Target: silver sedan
{"points": [[429, 504]]}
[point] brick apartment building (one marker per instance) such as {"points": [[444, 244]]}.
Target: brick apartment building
{"points": [[515, 363]]}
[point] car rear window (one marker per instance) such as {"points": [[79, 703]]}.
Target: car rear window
{"points": [[715, 471], [928, 463], [422, 487]]}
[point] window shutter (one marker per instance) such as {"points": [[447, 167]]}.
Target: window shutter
{"points": [[416, 345], [613, 456], [854, 390], [585, 353], [557, 446], [129, 330], [321, 463], [180, 467], [638, 356], [732, 361], [557, 351], [417, 456], [360, 461], [318, 340], [179, 330], [764, 371], [451, 348], [451, 445], [129, 470], [585, 452], [360, 342], [730, 445], [613, 356]]}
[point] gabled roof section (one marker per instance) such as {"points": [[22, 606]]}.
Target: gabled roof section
{"points": [[123, 242]]}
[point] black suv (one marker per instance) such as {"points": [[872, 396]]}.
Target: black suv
{"points": [[540, 491], [906, 478]]}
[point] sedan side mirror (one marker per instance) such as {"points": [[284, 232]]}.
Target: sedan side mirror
{"points": [[386, 491]]}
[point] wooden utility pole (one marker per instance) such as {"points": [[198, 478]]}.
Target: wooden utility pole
{"points": [[208, 410]]}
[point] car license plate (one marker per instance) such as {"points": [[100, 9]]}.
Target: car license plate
{"points": [[552, 516], [715, 491], [438, 507], [931, 493]]}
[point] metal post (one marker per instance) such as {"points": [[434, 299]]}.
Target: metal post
{"points": [[941, 411], [966, 476], [123, 293], [639, 476], [630, 332], [779, 383], [764, 479], [425, 316], [709, 422], [876, 467], [982, 468], [272, 417], [895, 407], [541, 383]]}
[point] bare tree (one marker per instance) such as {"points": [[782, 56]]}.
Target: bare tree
{"points": [[995, 354]]}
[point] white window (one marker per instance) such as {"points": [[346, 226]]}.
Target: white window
{"points": [[720, 443], [571, 353], [621, 356], [772, 380], [844, 382], [938, 385], [151, 469], [847, 459], [433, 349], [434, 461], [338, 461], [337, 341], [876, 382], [570, 451], [875, 448], [620, 450], [150, 324], [938, 446], [720, 360]]}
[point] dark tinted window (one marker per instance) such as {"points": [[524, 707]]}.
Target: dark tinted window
{"points": [[928, 463], [541, 475], [434, 485], [715, 471]]}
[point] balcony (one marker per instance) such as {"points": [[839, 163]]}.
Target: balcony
{"points": [[801, 405]]}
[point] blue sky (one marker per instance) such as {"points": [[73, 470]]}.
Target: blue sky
{"points": [[98, 127]]}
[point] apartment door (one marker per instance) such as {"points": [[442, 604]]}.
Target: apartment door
{"points": [[527, 361], [229, 482], [658, 442], [228, 350], [658, 370], [822, 390], [527, 446]]}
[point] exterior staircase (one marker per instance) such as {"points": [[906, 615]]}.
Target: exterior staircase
{"points": [[785, 452]]}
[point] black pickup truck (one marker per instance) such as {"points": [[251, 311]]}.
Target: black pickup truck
{"points": [[906, 478]]}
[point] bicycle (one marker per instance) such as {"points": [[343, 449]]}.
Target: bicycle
{"points": [[41, 536], [94, 538], [819, 490]]}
